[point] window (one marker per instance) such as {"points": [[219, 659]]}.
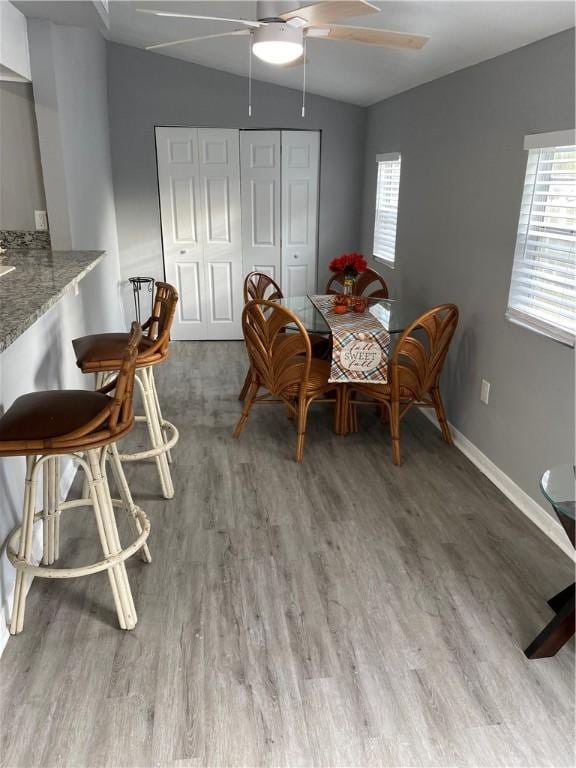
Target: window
{"points": [[543, 287], [387, 189]]}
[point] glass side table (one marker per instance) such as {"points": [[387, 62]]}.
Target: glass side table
{"points": [[558, 486]]}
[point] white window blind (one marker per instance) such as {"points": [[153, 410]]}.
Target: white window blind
{"points": [[543, 287], [387, 190]]}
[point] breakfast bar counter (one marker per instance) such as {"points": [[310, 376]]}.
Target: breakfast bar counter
{"points": [[39, 279]]}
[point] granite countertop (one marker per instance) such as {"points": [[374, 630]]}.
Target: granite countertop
{"points": [[39, 279]]}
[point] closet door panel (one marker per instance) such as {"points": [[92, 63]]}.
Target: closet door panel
{"points": [[300, 171], [223, 270], [260, 170], [182, 231]]}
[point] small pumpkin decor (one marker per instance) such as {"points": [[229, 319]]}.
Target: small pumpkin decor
{"points": [[340, 304], [351, 264]]}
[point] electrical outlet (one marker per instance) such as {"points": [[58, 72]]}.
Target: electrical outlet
{"points": [[41, 220], [485, 391]]}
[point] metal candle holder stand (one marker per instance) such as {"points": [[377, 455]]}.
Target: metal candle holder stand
{"points": [[138, 283]]}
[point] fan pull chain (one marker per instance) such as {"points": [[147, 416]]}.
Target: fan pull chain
{"points": [[250, 76], [304, 82]]}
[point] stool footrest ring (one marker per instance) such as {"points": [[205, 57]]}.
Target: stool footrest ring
{"points": [[150, 453], [46, 572]]}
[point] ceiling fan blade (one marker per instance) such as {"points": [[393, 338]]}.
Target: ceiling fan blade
{"points": [[193, 39], [246, 22], [331, 10], [369, 35]]}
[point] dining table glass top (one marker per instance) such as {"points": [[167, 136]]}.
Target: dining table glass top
{"points": [[395, 315], [559, 487]]}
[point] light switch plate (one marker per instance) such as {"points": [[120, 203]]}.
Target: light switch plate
{"points": [[485, 391], [41, 221]]}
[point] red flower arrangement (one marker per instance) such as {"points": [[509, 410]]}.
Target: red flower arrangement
{"points": [[349, 263]]}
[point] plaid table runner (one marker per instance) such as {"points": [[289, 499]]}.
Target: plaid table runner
{"points": [[360, 344]]}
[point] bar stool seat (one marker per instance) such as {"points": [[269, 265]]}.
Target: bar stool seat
{"points": [[101, 354], [40, 416], [42, 426]]}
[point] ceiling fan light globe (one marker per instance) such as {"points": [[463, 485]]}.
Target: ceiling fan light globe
{"points": [[279, 52], [277, 43]]}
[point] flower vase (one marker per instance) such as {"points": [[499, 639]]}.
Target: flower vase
{"points": [[349, 283]]}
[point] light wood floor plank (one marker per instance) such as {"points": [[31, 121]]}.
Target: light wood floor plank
{"points": [[341, 612]]}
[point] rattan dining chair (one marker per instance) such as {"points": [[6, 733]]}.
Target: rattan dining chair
{"points": [[413, 375], [259, 285], [282, 364], [369, 284]]}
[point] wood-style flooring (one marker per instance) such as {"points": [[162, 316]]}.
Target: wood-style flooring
{"points": [[341, 612]]}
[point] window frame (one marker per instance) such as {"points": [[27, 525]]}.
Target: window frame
{"points": [[515, 315], [387, 157]]}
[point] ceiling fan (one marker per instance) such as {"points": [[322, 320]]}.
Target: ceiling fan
{"points": [[279, 38]]}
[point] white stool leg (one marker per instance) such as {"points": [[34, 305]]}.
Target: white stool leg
{"points": [[155, 432], [110, 540], [159, 411], [25, 547], [51, 511], [127, 500]]}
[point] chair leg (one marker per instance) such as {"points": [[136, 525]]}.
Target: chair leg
{"points": [[248, 402], [127, 500], [159, 411], [441, 415], [351, 412], [245, 386], [340, 414], [25, 548], [155, 432], [110, 541], [303, 407], [51, 511], [395, 430]]}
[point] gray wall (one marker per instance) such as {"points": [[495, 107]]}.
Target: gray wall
{"points": [[70, 90], [21, 187], [463, 169], [147, 89]]}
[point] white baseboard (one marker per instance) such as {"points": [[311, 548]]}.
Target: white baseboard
{"points": [[66, 479], [525, 503]]}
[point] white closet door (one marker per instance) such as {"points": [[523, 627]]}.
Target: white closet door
{"points": [[181, 220], [219, 159], [300, 165], [199, 181], [260, 174]]}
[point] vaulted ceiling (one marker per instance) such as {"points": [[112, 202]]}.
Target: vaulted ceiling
{"points": [[462, 33]]}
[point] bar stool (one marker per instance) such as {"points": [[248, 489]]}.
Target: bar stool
{"points": [[42, 426], [101, 354]]}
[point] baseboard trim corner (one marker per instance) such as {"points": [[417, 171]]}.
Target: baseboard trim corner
{"points": [[525, 503]]}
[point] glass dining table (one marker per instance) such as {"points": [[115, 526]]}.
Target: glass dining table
{"points": [[395, 315], [558, 486]]}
